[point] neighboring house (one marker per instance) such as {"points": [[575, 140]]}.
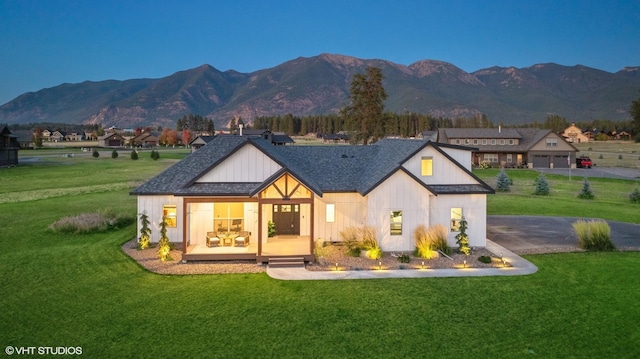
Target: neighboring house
{"points": [[573, 134], [74, 136], [335, 138], [111, 140], [511, 147], [219, 200], [276, 138], [9, 147], [56, 136], [200, 141], [25, 138], [145, 139]]}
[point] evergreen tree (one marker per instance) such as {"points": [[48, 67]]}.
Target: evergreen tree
{"points": [[365, 112], [542, 185], [586, 192], [134, 154], [164, 246], [114, 154], [634, 111], [145, 232], [95, 153], [463, 239], [503, 181], [634, 197]]}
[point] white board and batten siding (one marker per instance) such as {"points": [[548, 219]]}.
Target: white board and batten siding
{"points": [[350, 210], [152, 206], [248, 164], [474, 210], [398, 193], [444, 172]]}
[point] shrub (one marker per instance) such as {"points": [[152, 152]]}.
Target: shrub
{"points": [[503, 181], [430, 240], [359, 239], [593, 235], [271, 229], [114, 154], [542, 185], [134, 155], [155, 155], [319, 249], [600, 157], [634, 197], [101, 221], [95, 153], [484, 259], [484, 165], [404, 258], [586, 192], [145, 232]]}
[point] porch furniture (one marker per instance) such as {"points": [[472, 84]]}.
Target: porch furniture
{"points": [[242, 240], [229, 239], [236, 225], [212, 239]]}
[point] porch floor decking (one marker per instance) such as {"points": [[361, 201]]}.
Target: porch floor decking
{"points": [[274, 246]]}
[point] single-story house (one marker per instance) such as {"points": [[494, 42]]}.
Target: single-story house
{"points": [[200, 141], [74, 136], [222, 201], [9, 147], [512, 147], [145, 139], [339, 137], [111, 139], [25, 138]]}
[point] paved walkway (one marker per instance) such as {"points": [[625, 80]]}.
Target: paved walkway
{"points": [[519, 266]]}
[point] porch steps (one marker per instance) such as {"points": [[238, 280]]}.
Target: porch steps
{"points": [[286, 262]]}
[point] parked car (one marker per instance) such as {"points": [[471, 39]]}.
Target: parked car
{"points": [[583, 161]]}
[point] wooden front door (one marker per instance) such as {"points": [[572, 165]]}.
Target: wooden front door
{"points": [[287, 218]]}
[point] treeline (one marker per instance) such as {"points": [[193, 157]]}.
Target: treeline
{"points": [[404, 125], [195, 123]]}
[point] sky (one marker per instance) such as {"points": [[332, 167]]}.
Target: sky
{"points": [[44, 43]]}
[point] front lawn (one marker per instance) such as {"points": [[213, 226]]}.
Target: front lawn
{"points": [[82, 290]]}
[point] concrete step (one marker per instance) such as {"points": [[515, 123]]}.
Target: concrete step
{"points": [[286, 262]]}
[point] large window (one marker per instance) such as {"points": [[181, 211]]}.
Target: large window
{"points": [[552, 142], [396, 223], [228, 217], [456, 217], [170, 215], [427, 166], [491, 157]]}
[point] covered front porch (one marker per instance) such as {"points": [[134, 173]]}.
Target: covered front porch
{"points": [[273, 247]]}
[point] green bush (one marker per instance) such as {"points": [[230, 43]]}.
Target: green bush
{"points": [[503, 181], [542, 185], [634, 197], [271, 229], [358, 239], [114, 154], [593, 235], [134, 155], [586, 192], [404, 258], [95, 153], [484, 259]]}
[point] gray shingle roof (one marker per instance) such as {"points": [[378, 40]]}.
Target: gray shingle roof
{"points": [[320, 168]]}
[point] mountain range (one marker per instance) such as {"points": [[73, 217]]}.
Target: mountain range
{"points": [[320, 85]]}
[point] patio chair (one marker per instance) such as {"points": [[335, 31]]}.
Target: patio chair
{"points": [[242, 240], [236, 225], [212, 239]]}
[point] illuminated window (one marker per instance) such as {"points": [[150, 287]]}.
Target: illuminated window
{"points": [[427, 166], [170, 215], [456, 217], [396, 223], [331, 213]]}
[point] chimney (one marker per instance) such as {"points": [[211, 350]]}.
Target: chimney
{"points": [[240, 126], [499, 129]]}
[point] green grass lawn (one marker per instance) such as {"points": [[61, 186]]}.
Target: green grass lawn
{"points": [[82, 290]]}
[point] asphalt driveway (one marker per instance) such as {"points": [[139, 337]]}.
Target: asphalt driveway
{"points": [[532, 233]]}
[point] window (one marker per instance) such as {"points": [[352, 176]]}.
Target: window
{"points": [[457, 142], [552, 142], [427, 166], [484, 141], [228, 217], [511, 142], [466, 142], [509, 157], [170, 215], [502, 141], [475, 142], [330, 215], [396, 223], [456, 217], [491, 157]]}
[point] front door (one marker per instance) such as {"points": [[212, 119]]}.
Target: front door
{"points": [[286, 218]]}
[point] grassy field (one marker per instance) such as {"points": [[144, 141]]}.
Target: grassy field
{"points": [[612, 153], [83, 291]]}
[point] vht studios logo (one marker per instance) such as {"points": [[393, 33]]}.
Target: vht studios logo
{"points": [[11, 350]]}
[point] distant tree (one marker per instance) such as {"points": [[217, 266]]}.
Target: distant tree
{"points": [[114, 154], [586, 192], [172, 137], [364, 114], [137, 131], [634, 111], [542, 185], [134, 154], [95, 153], [634, 197], [503, 181], [232, 126], [556, 123], [186, 136], [37, 138]]}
